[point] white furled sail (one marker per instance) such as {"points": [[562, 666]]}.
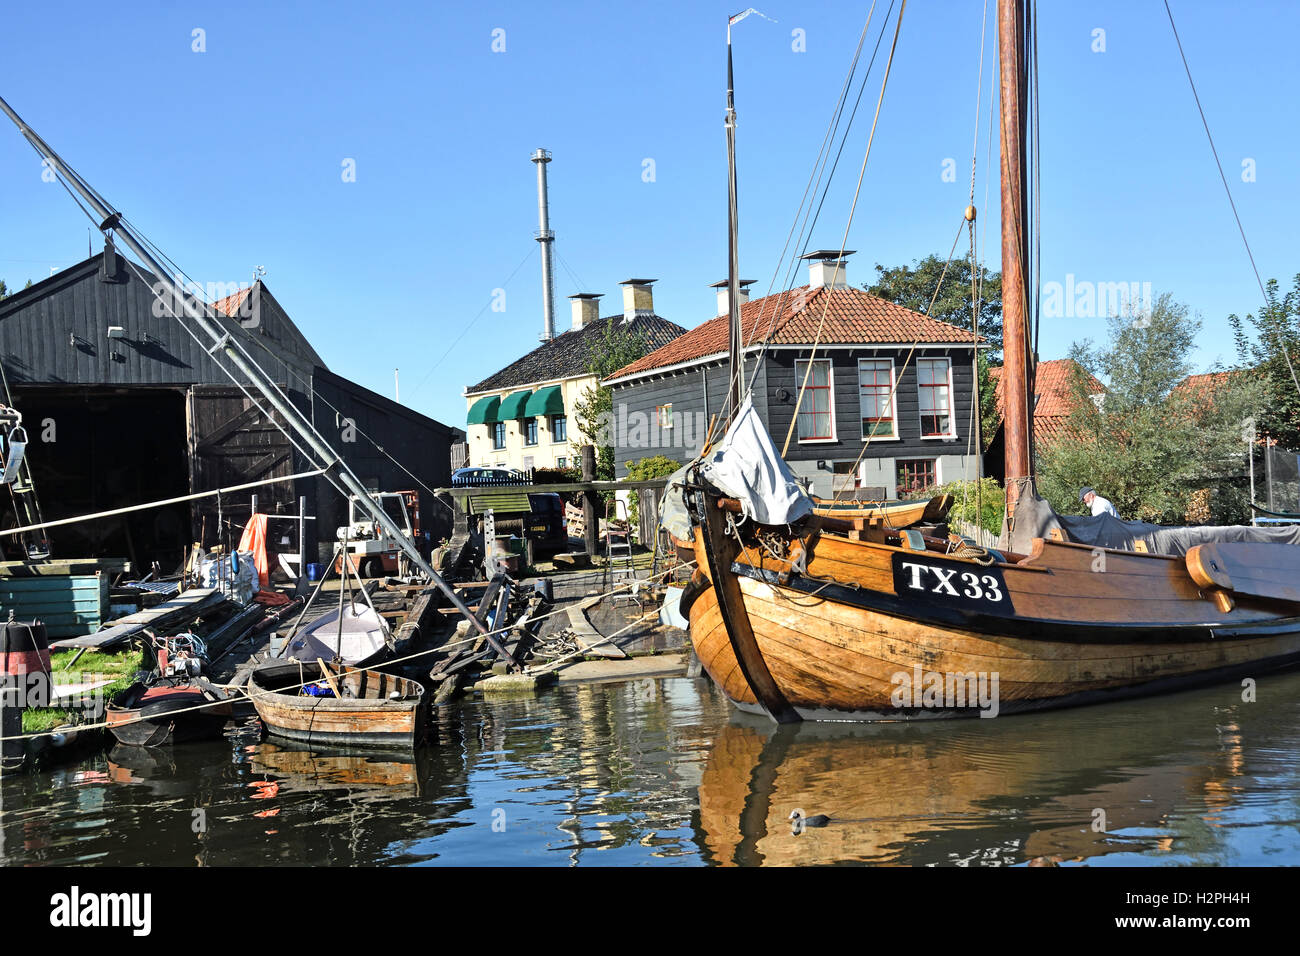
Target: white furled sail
{"points": [[747, 466]]}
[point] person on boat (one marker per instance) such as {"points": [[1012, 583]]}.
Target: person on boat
{"points": [[1098, 504]]}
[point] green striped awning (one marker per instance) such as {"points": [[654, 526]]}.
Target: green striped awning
{"points": [[484, 412], [512, 406], [546, 401]]}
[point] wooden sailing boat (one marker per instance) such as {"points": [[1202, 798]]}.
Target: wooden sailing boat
{"points": [[898, 514], [806, 616]]}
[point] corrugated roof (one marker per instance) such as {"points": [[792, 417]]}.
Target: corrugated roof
{"points": [[569, 353], [852, 316]]}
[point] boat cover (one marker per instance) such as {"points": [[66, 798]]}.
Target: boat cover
{"points": [[1035, 519], [363, 636], [746, 466]]}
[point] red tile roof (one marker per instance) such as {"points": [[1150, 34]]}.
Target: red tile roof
{"points": [[231, 304], [1053, 397], [852, 316]]}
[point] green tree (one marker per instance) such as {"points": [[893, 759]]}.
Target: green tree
{"points": [[4, 290], [1269, 342], [615, 345], [657, 466], [1153, 444]]}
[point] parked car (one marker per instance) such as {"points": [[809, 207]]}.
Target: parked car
{"points": [[543, 521], [487, 475]]}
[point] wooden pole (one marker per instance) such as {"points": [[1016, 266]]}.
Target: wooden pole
{"points": [[1015, 246], [591, 524]]}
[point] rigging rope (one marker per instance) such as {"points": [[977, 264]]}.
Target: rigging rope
{"points": [[1231, 202], [794, 418]]}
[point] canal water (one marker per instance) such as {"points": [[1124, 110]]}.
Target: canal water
{"points": [[664, 772]]}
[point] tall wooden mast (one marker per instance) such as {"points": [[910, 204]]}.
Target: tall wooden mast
{"points": [[733, 254], [1015, 248]]}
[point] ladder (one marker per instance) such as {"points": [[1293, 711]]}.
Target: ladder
{"points": [[22, 490], [619, 567]]}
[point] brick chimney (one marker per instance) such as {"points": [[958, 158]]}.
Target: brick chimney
{"points": [[827, 267], [724, 294], [638, 299], [586, 308]]}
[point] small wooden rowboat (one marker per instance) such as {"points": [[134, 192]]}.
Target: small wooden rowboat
{"points": [[359, 706], [896, 514], [167, 711]]}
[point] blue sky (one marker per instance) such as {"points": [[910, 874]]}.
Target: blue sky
{"points": [[232, 158]]}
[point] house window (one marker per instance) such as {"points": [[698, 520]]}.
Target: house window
{"points": [[935, 397], [530, 432], [499, 435], [915, 475], [876, 379], [561, 463], [816, 418], [664, 416], [559, 428], [528, 462]]}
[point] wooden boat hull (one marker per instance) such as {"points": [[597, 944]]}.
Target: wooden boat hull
{"points": [[898, 514], [371, 718], [145, 716], [846, 638]]}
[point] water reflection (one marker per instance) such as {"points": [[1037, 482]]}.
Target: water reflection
{"points": [[1197, 778], [665, 772]]}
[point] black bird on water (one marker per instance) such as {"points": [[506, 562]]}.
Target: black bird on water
{"points": [[798, 821]]}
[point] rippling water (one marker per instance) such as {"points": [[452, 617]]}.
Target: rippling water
{"points": [[664, 772]]}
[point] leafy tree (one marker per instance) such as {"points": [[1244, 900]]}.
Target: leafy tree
{"points": [[1273, 351], [657, 466], [1154, 443], [4, 289], [617, 345]]}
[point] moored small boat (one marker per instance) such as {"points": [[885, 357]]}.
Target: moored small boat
{"points": [[896, 514], [165, 711], [331, 704]]}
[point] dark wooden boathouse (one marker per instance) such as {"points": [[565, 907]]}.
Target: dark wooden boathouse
{"points": [[123, 406]]}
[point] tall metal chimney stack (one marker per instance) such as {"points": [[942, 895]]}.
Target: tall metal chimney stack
{"points": [[547, 239]]}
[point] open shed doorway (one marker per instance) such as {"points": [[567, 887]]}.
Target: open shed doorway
{"points": [[97, 449]]}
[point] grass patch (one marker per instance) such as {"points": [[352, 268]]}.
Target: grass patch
{"points": [[121, 667], [37, 720]]}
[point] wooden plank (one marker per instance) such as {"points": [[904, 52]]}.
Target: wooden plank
{"points": [[175, 611]]}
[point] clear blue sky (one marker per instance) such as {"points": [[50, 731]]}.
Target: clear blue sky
{"points": [[232, 158]]}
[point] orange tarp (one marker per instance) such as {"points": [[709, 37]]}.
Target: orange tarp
{"points": [[254, 540]]}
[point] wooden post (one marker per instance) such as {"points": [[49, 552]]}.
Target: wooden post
{"points": [[11, 722], [589, 518]]}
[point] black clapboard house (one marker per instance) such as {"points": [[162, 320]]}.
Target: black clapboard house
{"points": [[664, 402], [123, 406]]}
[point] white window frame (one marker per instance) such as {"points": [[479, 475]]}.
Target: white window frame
{"points": [[893, 397], [952, 410], [830, 384]]}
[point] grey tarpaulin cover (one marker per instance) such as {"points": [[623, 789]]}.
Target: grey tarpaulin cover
{"points": [[746, 466], [1035, 519]]}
